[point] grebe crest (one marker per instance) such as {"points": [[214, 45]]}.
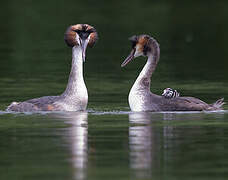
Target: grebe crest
{"points": [[143, 45], [81, 35]]}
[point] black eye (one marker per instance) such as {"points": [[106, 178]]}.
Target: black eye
{"points": [[91, 31], [78, 31]]}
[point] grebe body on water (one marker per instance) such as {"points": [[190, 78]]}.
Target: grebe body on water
{"points": [[75, 96], [142, 99]]}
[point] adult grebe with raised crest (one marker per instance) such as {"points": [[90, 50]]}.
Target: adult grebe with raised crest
{"points": [[75, 96]]}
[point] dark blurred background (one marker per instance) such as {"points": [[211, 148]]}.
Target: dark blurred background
{"points": [[35, 61], [112, 143]]}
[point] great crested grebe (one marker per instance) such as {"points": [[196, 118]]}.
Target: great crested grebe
{"points": [[75, 96], [140, 97]]}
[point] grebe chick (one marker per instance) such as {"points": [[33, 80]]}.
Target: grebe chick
{"points": [[142, 99], [75, 96], [170, 93]]}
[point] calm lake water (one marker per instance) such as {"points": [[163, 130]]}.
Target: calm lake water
{"points": [[109, 141]]}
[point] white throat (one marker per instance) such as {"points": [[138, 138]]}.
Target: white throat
{"points": [[143, 80], [140, 95], [76, 90]]}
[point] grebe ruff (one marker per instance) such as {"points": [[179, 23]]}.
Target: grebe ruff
{"points": [[75, 96]]}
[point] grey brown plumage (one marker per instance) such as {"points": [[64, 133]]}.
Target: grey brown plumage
{"points": [[45, 103], [189, 104], [75, 96], [142, 99]]}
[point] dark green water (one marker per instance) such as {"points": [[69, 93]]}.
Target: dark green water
{"points": [[109, 142]]}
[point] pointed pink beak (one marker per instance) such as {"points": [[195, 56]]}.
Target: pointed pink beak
{"points": [[129, 58]]}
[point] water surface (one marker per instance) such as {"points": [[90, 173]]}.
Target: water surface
{"points": [[109, 141]]}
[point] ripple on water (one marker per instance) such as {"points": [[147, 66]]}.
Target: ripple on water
{"points": [[161, 112], [3, 112], [114, 112]]}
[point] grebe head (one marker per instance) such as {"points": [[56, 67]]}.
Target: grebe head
{"points": [[81, 35], [142, 45]]}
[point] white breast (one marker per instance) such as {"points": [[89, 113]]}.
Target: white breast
{"points": [[137, 100]]}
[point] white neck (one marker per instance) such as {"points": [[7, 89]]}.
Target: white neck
{"points": [[76, 85], [140, 97], [143, 80]]}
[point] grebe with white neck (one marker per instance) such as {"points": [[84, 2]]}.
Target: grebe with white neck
{"points": [[75, 96], [142, 99]]}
